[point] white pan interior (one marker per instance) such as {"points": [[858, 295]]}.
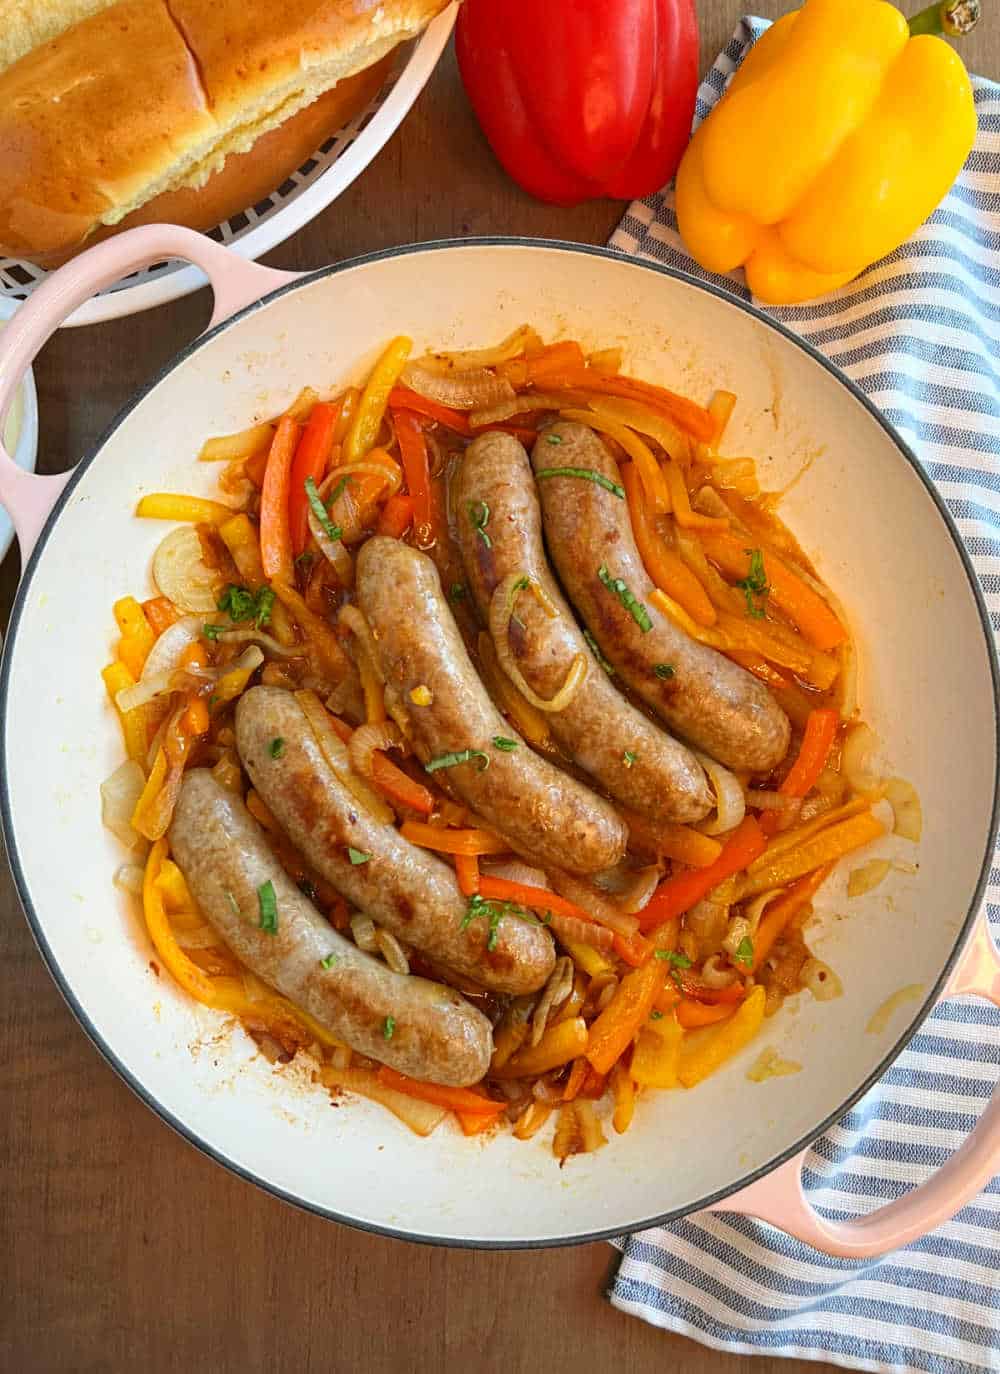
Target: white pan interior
{"points": [[878, 539]]}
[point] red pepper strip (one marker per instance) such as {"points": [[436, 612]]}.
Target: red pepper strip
{"points": [[817, 741], [311, 458], [397, 516], [680, 893], [416, 466], [537, 898], [275, 535], [402, 398], [634, 949]]}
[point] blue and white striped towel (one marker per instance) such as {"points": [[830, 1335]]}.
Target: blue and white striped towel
{"points": [[920, 333]]}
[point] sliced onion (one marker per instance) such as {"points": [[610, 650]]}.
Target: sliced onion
{"points": [[363, 930], [578, 1131], [630, 888], [182, 575], [730, 803], [753, 913], [119, 795], [867, 877], [604, 911], [715, 974], [707, 922], [335, 752], [501, 610], [368, 740], [531, 1121], [473, 389], [332, 550], [903, 798], [579, 932], [391, 951], [555, 992], [859, 745], [523, 338], [514, 871], [163, 661], [523, 404], [361, 630], [821, 980], [759, 800], [130, 878], [265, 641], [421, 1117], [738, 930]]}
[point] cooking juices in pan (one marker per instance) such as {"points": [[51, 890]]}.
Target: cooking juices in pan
{"points": [[488, 739]]}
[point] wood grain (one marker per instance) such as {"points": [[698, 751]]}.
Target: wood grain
{"points": [[122, 1248]]}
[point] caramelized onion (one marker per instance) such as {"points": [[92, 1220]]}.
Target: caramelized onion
{"points": [[730, 803], [501, 610], [368, 740], [472, 389], [335, 752]]}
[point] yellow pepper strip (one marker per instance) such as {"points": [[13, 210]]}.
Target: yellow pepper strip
{"points": [[625, 1014], [652, 423], [117, 677], [705, 1051], [141, 816], [562, 1042], [704, 634], [836, 139], [184, 970], [590, 960], [681, 503], [657, 1053], [366, 423], [623, 1095], [137, 634], [530, 722], [228, 447], [532, 1121], [230, 686], [173, 885], [801, 834], [166, 505], [653, 482], [831, 843], [721, 408], [243, 542]]}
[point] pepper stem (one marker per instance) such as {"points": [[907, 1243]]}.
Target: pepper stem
{"points": [[954, 18]]}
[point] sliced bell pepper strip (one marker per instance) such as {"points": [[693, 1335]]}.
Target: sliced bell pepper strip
{"points": [[561, 1042], [117, 677], [391, 781], [759, 666], [536, 898], [161, 613], [627, 1011], [455, 1099], [681, 892], [577, 1078], [469, 842], [311, 458], [687, 518], [375, 398], [817, 741], [693, 419], [168, 505], [623, 1093], [702, 1058], [657, 1053], [319, 632], [687, 846], [402, 398], [397, 516], [690, 1015], [275, 535], [831, 843], [416, 466], [467, 873], [665, 568], [634, 949], [781, 911]]}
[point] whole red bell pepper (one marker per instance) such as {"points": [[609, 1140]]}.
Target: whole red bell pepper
{"points": [[582, 98]]}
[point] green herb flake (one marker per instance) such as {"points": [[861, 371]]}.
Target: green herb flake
{"points": [[619, 588], [339, 489], [268, 908], [506, 746], [357, 856], [457, 592], [331, 530], [754, 584], [744, 952], [328, 962], [479, 515], [555, 439], [585, 475], [276, 748], [389, 1027], [628, 758], [656, 1016], [243, 605], [305, 560], [212, 631], [595, 649], [494, 910], [461, 756], [233, 903], [664, 671], [674, 957]]}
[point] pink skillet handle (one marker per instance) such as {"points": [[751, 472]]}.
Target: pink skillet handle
{"points": [[779, 1197], [235, 283]]}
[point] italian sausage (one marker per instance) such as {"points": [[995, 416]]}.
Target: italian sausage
{"points": [[414, 1025], [402, 887], [706, 698], [633, 760], [541, 811]]}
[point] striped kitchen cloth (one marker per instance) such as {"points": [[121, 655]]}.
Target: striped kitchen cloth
{"points": [[920, 333]]}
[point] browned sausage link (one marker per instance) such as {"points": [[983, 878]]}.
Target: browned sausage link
{"points": [[402, 887], [632, 758], [538, 809], [705, 697], [416, 1026]]}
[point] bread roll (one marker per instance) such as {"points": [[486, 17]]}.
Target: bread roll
{"points": [[105, 108]]}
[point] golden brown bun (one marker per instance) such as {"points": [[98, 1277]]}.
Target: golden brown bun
{"points": [[146, 97]]}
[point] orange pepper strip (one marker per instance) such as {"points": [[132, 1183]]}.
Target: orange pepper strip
{"points": [[693, 1014], [665, 568], [311, 458], [474, 1123], [686, 845], [777, 916], [627, 1011], [275, 535], [402, 398], [467, 873], [760, 667], [161, 613], [806, 608], [693, 419], [466, 842], [817, 741], [537, 898], [391, 781], [397, 516], [634, 949], [550, 361], [577, 1077], [455, 1099], [196, 720], [680, 893]]}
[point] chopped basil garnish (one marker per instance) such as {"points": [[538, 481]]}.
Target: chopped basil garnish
{"points": [[595, 649], [628, 758], [664, 671], [586, 475], [277, 748], [494, 909], [268, 908], [331, 530], [674, 956], [242, 604], [620, 589], [212, 631], [506, 746], [744, 952], [329, 961], [457, 592], [233, 903], [553, 439], [357, 856], [389, 1027], [453, 760], [479, 515], [339, 489], [754, 584]]}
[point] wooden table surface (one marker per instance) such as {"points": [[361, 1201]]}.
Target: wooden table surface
{"points": [[123, 1248]]}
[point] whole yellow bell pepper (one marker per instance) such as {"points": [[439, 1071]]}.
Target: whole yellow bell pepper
{"points": [[838, 136]]}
